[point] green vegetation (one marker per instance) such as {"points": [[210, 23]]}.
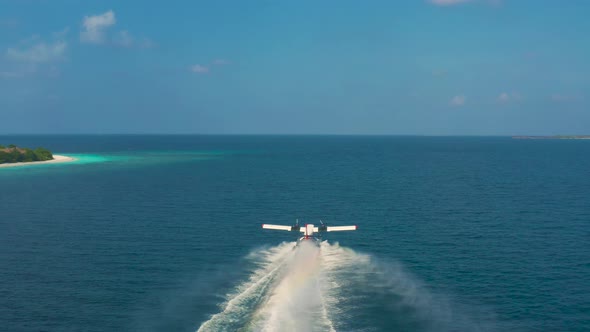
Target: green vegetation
{"points": [[14, 154]]}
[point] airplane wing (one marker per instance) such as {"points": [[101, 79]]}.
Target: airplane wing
{"points": [[277, 227], [310, 228], [340, 228]]}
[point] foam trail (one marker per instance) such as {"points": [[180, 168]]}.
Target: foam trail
{"points": [[296, 302], [237, 308], [328, 288], [382, 296]]}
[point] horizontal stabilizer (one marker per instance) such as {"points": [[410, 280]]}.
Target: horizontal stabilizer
{"points": [[340, 228]]}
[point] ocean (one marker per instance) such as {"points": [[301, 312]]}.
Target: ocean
{"points": [[163, 233]]}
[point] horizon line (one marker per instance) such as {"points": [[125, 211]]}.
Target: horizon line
{"points": [[287, 134]]}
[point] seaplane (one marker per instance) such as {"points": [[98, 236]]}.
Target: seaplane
{"points": [[310, 231]]}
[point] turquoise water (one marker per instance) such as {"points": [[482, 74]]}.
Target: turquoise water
{"points": [[162, 233], [89, 158], [79, 159], [120, 159]]}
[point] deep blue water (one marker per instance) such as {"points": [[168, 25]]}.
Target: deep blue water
{"points": [[160, 233]]}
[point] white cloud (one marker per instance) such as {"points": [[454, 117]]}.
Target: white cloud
{"points": [[96, 31], [205, 69], [506, 97], [448, 2], [458, 100], [38, 52], [199, 69], [95, 27]]}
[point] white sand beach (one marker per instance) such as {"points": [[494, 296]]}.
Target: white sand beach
{"points": [[56, 159]]}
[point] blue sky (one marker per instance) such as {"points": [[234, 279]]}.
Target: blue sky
{"points": [[418, 67]]}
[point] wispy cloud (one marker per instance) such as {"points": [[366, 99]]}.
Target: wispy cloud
{"points": [[94, 27], [38, 52], [566, 98], [199, 69], [205, 69], [221, 62], [11, 74], [35, 56], [61, 34], [458, 100], [504, 97], [125, 39], [447, 2], [19, 70], [507, 97], [146, 43], [96, 31]]}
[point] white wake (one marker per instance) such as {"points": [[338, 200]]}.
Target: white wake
{"points": [[287, 292], [306, 288]]}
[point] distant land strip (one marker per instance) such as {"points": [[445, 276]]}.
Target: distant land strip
{"points": [[16, 156], [553, 137]]}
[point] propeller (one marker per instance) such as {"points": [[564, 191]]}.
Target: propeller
{"points": [[323, 227], [296, 227]]}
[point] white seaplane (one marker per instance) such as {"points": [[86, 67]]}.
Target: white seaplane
{"points": [[310, 232]]}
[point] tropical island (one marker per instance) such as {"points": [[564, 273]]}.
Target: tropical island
{"points": [[13, 155]]}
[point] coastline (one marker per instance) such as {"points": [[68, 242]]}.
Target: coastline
{"points": [[553, 137], [56, 159]]}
